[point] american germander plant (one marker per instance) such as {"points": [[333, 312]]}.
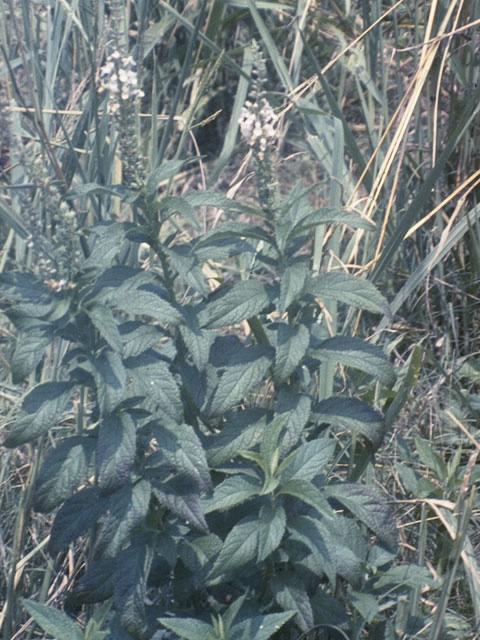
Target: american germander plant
{"points": [[216, 486]]}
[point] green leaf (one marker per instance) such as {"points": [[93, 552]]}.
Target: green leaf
{"points": [[96, 584], [92, 188], [188, 266], [292, 344], [405, 575], [349, 289], [145, 300], [181, 497], [243, 430], [296, 406], [110, 379], [178, 204], [356, 353], [369, 506], [25, 287], [182, 448], [164, 171], [54, 622], [138, 337], [272, 525], [261, 627], [235, 230], [242, 301], [245, 373], [291, 284], [240, 546], [103, 320], [305, 529], [108, 240], [309, 460], [290, 593], [431, 458], [189, 628], [133, 567], [80, 512], [308, 493], [198, 341], [63, 469], [30, 349], [151, 377], [231, 492], [366, 604], [353, 414], [127, 511], [41, 409], [334, 216], [116, 450]]}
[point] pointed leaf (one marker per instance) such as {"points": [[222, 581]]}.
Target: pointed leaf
{"points": [[309, 460], [235, 230], [116, 450], [103, 320], [272, 525], [349, 289], [42, 408], [146, 300], [239, 547], [292, 344], [243, 430], [290, 594], [189, 628], [30, 349], [351, 413], [356, 353], [369, 506], [296, 406], [304, 529], [308, 493], [110, 379], [242, 301], [63, 469], [240, 378], [291, 284], [54, 622], [183, 500], [231, 492], [405, 575], [261, 627], [138, 337], [334, 216]]}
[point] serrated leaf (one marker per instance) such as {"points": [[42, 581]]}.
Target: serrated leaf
{"points": [[240, 378], [197, 340], [63, 469], [405, 575], [108, 238], [116, 450], [151, 377], [272, 525], [334, 216], [261, 627], [146, 300], [54, 622], [269, 445], [291, 284], [182, 448], [110, 379], [127, 511], [92, 188], [163, 172], [96, 585], [103, 320], [305, 529], [131, 575], [178, 204], [297, 407], [25, 287], [231, 492], [348, 289], [356, 353], [309, 460], [80, 512], [353, 414], [182, 498], [30, 349], [292, 344], [242, 301], [369, 506], [291, 594], [42, 408], [430, 458], [235, 230], [240, 546], [138, 337], [243, 430], [366, 604], [189, 628], [185, 261], [308, 493]]}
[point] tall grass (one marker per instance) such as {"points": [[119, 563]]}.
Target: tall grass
{"points": [[379, 106]]}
